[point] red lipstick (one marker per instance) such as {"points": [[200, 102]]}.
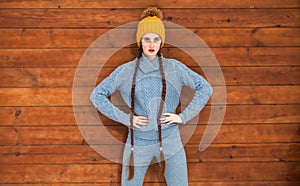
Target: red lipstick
{"points": [[151, 50]]}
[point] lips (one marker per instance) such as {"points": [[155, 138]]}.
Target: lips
{"points": [[151, 50]]}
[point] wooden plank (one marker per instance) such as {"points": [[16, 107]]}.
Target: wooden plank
{"points": [[41, 143], [234, 56], [60, 173], [48, 116], [83, 38], [41, 57], [289, 171], [259, 133], [9, 135], [36, 96], [65, 115], [263, 38], [260, 94], [263, 75], [142, 4], [84, 154], [48, 38], [71, 135], [244, 153], [261, 114], [40, 135], [111, 173], [110, 18], [272, 56], [202, 183], [63, 96], [238, 57], [64, 77]]}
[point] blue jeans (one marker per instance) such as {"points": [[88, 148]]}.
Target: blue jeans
{"points": [[146, 149]]}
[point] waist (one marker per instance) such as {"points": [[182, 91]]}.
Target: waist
{"points": [[153, 133]]}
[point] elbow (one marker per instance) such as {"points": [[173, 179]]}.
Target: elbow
{"points": [[210, 90], [206, 89], [92, 96]]}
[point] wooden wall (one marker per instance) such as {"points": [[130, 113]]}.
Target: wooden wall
{"points": [[256, 43]]}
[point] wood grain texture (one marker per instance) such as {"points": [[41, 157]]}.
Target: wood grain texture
{"points": [[110, 18], [197, 172], [84, 154], [235, 114], [83, 38], [71, 135], [112, 4], [229, 57], [204, 183], [255, 43], [241, 95], [198, 183], [64, 77]]}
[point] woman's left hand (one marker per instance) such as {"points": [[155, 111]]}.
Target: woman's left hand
{"points": [[170, 118]]}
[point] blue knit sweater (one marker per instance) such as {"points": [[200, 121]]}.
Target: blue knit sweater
{"points": [[148, 93]]}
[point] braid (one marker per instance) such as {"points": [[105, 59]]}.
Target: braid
{"points": [[163, 97], [131, 159], [140, 52]]}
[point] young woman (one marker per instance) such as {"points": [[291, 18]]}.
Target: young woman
{"points": [[151, 85]]}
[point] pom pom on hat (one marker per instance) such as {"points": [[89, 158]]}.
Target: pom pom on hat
{"points": [[152, 11], [151, 23]]}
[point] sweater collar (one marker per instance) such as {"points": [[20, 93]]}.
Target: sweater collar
{"points": [[148, 66]]}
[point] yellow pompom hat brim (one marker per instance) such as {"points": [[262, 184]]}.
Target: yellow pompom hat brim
{"points": [[150, 24]]}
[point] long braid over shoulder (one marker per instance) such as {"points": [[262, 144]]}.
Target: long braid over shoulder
{"points": [[163, 97]]}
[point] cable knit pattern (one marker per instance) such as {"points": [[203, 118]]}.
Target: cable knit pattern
{"points": [[148, 93]]}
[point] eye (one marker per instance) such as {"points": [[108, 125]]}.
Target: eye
{"points": [[146, 39], [157, 40]]}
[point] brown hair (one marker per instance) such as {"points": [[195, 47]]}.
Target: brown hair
{"points": [[163, 96]]}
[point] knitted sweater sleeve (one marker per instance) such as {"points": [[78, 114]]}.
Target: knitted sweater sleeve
{"points": [[99, 97], [203, 91]]}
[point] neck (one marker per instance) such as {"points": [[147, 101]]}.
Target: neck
{"points": [[151, 58]]}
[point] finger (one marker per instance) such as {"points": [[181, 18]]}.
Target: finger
{"points": [[166, 120], [142, 123], [169, 123], [142, 118], [163, 119], [136, 126], [166, 114]]}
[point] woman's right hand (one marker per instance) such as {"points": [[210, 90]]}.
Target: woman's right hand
{"points": [[139, 121]]}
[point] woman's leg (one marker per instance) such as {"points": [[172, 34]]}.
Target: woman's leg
{"points": [[144, 150], [139, 175], [176, 169]]}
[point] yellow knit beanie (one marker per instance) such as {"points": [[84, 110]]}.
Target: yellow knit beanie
{"points": [[151, 22]]}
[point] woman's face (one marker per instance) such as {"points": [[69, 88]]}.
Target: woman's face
{"points": [[151, 44]]}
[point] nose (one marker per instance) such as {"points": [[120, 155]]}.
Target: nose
{"points": [[151, 44]]}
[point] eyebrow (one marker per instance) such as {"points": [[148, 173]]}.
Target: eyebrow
{"points": [[145, 37]]}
